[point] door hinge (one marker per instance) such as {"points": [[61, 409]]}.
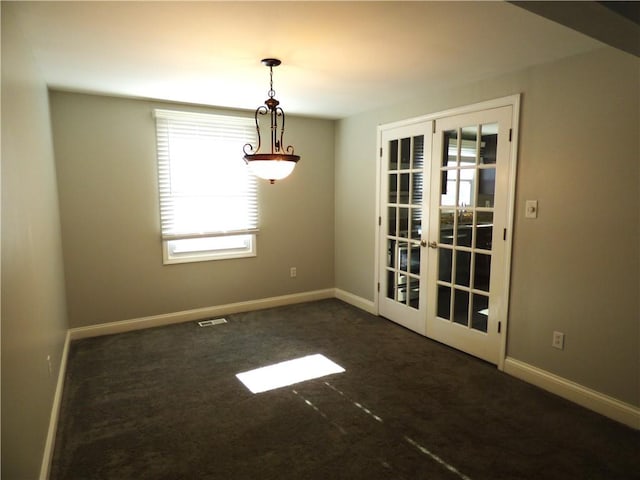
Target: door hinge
{"points": [[499, 327], [378, 286], [379, 221], [380, 152], [504, 234], [510, 133]]}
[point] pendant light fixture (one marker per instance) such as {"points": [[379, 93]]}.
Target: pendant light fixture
{"points": [[279, 163]]}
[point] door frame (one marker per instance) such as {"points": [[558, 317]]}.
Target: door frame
{"points": [[512, 101]]}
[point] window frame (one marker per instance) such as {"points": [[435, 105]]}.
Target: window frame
{"points": [[218, 128], [170, 256]]}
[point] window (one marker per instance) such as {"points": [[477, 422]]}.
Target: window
{"points": [[208, 197]]}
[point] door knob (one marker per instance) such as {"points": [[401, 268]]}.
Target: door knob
{"points": [[423, 243], [433, 245]]}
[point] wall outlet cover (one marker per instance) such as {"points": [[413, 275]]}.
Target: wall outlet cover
{"points": [[558, 340]]}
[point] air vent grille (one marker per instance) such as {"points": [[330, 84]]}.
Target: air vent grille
{"points": [[212, 321]]}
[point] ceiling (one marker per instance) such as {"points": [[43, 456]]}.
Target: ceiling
{"points": [[339, 58]]}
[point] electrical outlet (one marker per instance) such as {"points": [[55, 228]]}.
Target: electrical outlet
{"points": [[558, 340], [293, 272]]}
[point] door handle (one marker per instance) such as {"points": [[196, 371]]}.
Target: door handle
{"points": [[424, 243]]}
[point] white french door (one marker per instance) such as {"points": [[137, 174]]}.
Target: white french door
{"points": [[444, 212], [467, 231], [403, 217]]}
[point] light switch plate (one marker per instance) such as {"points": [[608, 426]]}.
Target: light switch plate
{"points": [[531, 209]]}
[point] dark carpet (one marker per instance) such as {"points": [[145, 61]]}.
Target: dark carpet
{"points": [[164, 403]]}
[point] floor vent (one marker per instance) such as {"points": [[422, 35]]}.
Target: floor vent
{"points": [[212, 321]]}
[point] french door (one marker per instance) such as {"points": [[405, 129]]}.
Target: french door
{"points": [[404, 212], [445, 195]]}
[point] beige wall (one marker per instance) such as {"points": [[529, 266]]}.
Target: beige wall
{"points": [[33, 305], [107, 178], [576, 268]]}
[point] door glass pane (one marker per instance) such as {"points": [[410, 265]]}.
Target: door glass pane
{"points": [[444, 302], [415, 260], [466, 193], [465, 229], [444, 265], [392, 227], [489, 144], [391, 284], [418, 152], [482, 272], [486, 187], [447, 218], [403, 254], [463, 268], [405, 153], [484, 230], [403, 224], [468, 149], [461, 307], [416, 223], [393, 188], [480, 313], [448, 188], [393, 155], [414, 292], [450, 148], [448, 191], [391, 253], [403, 194], [416, 188], [401, 294]]}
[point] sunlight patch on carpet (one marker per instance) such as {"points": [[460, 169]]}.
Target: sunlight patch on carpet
{"points": [[287, 373]]}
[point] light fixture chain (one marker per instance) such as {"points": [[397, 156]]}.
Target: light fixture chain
{"points": [[272, 92]]}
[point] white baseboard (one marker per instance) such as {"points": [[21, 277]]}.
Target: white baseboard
{"points": [[574, 392], [197, 314], [356, 301], [49, 445]]}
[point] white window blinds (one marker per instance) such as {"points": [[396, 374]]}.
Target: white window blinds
{"points": [[206, 190]]}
